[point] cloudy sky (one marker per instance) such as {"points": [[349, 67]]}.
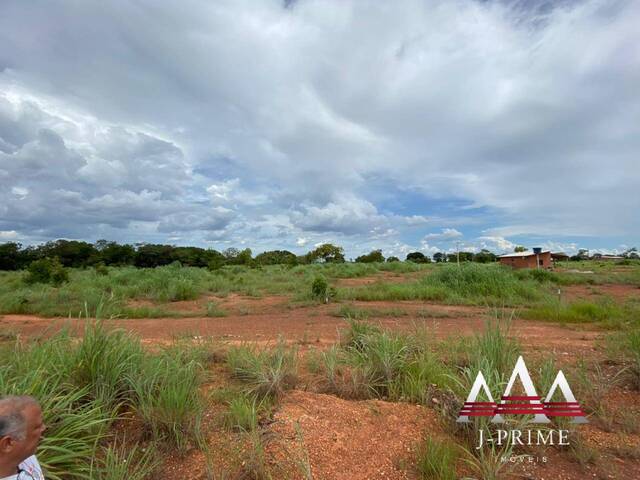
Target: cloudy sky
{"points": [[397, 125]]}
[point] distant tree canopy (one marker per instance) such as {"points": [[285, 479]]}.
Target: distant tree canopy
{"points": [[519, 249], [371, 257], [326, 253], [439, 257], [418, 257], [485, 256], [79, 254], [276, 257], [464, 257]]}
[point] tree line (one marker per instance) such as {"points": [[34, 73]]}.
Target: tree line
{"points": [[80, 254]]}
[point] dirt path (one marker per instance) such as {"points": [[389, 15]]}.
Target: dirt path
{"points": [[318, 325]]}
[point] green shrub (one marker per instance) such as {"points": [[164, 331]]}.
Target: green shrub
{"points": [[320, 288], [101, 269], [539, 275], [46, 270]]}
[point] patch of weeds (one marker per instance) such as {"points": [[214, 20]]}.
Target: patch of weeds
{"points": [[488, 462], [313, 361], [266, 373], [581, 451], [214, 310], [629, 422], [126, 462], [593, 386], [623, 348], [436, 459], [432, 313], [302, 461], [243, 412], [632, 452], [168, 399], [359, 333], [254, 466], [350, 311]]}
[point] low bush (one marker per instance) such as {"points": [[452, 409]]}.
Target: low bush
{"points": [[320, 288], [46, 270]]}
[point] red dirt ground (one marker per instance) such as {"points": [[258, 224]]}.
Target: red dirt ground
{"points": [[343, 439], [592, 292], [359, 439], [317, 325]]}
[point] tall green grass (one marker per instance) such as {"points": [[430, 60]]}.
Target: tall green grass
{"points": [[605, 312], [266, 373], [436, 459], [468, 283], [88, 289], [84, 385], [372, 362]]}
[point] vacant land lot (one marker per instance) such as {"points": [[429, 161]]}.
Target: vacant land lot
{"points": [[341, 371]]}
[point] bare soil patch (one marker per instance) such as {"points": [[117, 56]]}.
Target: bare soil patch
{"points": [[618, 292], [349, 440]]}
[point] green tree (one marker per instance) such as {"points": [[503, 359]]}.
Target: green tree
{"points": [[439, 257], [520, 248], [326, 253], [276, 257], [418, 257], [485, 256], [71, 253], [371, 257], [151, 255], [10, 256], [112, 253]]}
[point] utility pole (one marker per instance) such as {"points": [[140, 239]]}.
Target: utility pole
{"points": [[458, 252]]}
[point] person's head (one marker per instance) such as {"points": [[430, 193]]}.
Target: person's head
{"points": [[21, 427]]}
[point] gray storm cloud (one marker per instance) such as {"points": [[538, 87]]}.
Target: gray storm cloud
{"points": [[219, 121]]}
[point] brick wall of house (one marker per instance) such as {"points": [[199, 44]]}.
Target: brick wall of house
{"points": [[529, 261]]}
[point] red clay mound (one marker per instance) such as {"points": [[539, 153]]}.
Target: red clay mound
{"points": [[349, 440]]}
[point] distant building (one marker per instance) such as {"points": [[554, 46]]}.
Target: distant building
{"points": [[600, 256], [559, 256], [534, 259]]}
